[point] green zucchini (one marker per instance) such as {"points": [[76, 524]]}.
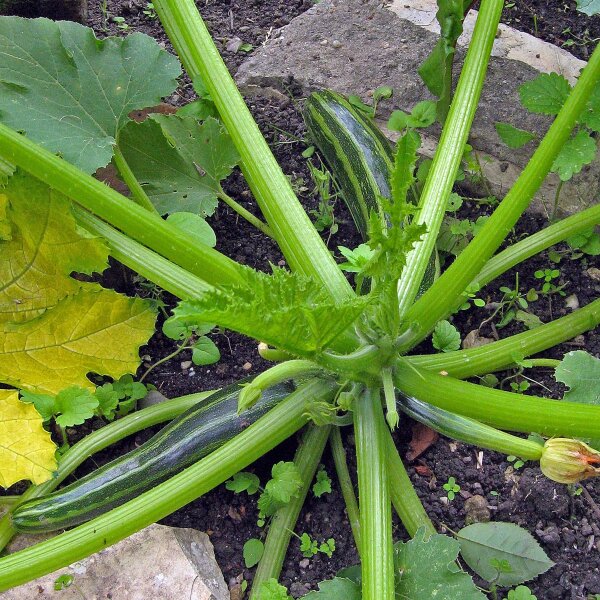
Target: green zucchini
{"points": [[358, 154], [467, 430], [191, 436], [360, 157]]}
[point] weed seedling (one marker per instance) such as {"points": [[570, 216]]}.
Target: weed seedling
{"points": [[149, 11], [121, 23], [452, 488]]}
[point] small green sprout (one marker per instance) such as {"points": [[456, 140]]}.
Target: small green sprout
{"points": [[121, 23], [149, 11], [452, 488], [517, 463]]}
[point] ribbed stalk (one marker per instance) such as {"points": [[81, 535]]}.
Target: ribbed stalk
{"points": [[307, 459], [376, 552], [153, 505], [443, 295], [446, 161], [504, 410], [299, 241], [98, 440], [147, 263], [341, 466], [404, 497], [137, 222], [533, 244], [500, 355]]}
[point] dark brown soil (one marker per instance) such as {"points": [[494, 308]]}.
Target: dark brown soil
{"points": [[567, 525]]}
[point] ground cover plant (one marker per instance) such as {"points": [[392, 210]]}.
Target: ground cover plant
{"points": [[346, 351]]}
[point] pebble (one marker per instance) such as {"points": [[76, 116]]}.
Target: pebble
{"points": [[336, 44], [298, 589], [324, 42], [572, 302], [304, 563], [550, 535], [186, 364], [586, 528], [476, 510], [247, 366]]}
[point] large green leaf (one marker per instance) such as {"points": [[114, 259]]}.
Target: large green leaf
{"points": [[426, 568], [71, 92], [44, 248], [337, 588], [589, 7], [502, 552], [93, 331], [285, 310], [179, 161]]}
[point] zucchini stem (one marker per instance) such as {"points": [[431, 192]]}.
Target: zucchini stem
{"points": [[343, 474], [307, 459]]}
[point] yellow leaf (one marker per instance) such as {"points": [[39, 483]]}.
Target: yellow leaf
{"points": [[93, 331], [26, 450], [39, 249]]}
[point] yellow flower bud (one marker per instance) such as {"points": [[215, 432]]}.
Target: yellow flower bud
{"points": [[569, 461]]}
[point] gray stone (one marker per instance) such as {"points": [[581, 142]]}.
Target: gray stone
{"points": [[376, 48], [157, 562]]}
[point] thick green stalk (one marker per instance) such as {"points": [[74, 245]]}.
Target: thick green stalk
{"points": [[153, 505], [284, 371], [341, 466], [299, 241], [376, 552], [404, 498], [98, 440], [147, 263], [533, 244], [446, 161], [504, 410], [148, 229], [443, 295], [137, 191], [500, 355], [282, 525]]}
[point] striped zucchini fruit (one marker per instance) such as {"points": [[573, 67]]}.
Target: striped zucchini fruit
{"points": [[360, 158], [191, 436]]}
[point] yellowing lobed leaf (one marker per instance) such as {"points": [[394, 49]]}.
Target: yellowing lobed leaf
{"points": [[45, 245], [93, 331], [26, 451]]}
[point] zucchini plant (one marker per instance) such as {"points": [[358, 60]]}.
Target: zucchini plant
{"points": [[346, 350]]}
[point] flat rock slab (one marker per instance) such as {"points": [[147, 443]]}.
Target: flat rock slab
{"points": [[158, 562], [354, 46]]}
